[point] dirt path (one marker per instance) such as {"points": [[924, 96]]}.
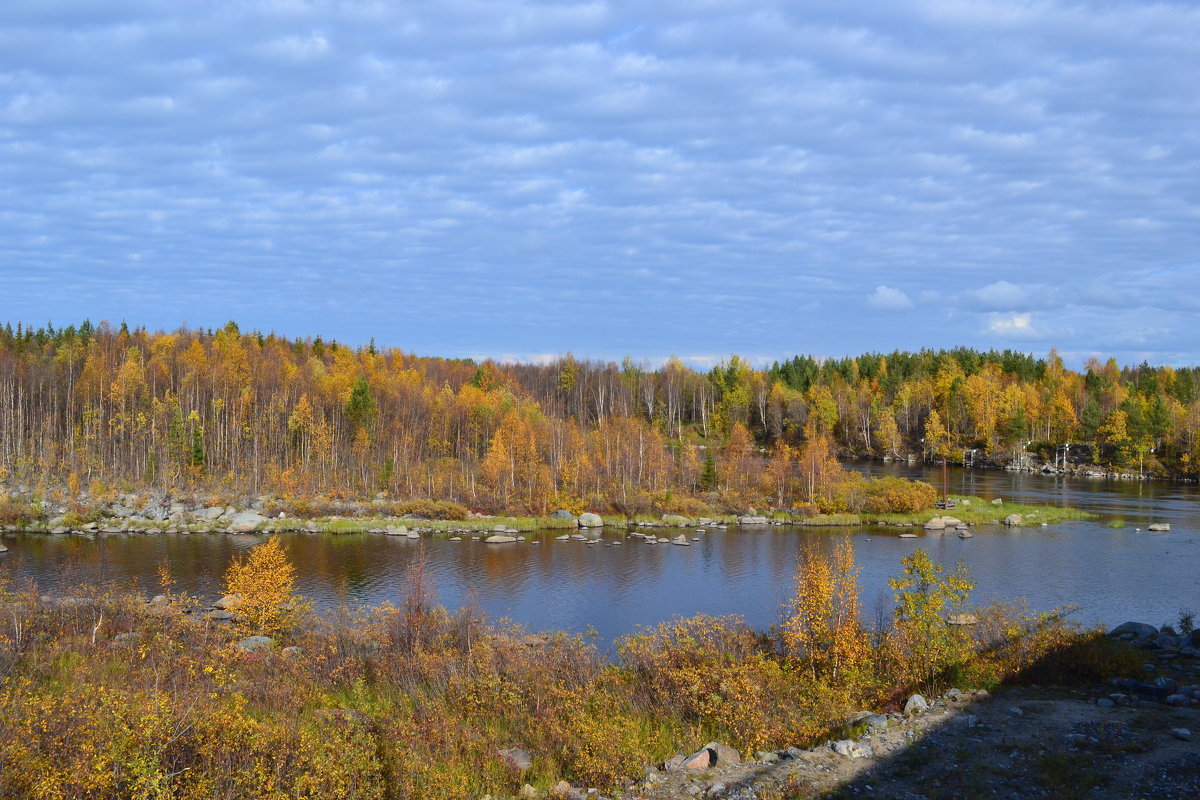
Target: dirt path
{"points": [[1019, 743]]}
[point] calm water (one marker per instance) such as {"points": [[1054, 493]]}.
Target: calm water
{"points": [[1112, 575]]}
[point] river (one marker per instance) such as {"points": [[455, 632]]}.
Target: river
{"points": [[1111, 575]]}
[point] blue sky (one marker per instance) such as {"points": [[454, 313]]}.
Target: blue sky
{"points": [[520, 179]]}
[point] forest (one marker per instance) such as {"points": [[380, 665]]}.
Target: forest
{"points": [[91, 407]]}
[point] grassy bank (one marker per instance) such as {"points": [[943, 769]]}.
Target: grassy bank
{"points": [[108, 696]]}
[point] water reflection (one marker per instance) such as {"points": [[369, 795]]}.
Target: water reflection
{"points": [[1112, 575]]}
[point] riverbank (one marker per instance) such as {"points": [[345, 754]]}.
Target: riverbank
{"points": [[164, 513], [108, 694]]}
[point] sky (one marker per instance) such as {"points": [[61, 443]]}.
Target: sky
{"points": [[492, 178]]}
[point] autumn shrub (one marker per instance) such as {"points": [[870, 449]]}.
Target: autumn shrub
{"points": [[262, 580], [17, 511], [822, 631], [1017, 645], [924, 645], [428, 509]]}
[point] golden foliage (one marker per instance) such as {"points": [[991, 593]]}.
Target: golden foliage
{"points": [[262, 581]]}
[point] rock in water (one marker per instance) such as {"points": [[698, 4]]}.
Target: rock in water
{"points": [[1159, 527], [500, 538], [590, 520], [681, 539]]}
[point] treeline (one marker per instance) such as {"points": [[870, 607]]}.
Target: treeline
{"points": [[254, 413]]}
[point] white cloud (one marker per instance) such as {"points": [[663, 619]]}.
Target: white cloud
{"points": [[886, 298], [1012, 326], [1001, 296]]}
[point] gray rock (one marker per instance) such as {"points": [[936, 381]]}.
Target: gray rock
{"points": [[935, 524], [851, 749], [999, 501], [246, 521], [752, 519], [1182, 734], [500, 538], [681, 540], [590, 520], [712, 755], [877, 722], [251, 643], [915, 703], [1158, 527], [564, 515], [1104, 702], [1014, 520], [209, 514], [516, 758], [227, 602], [1133, 630], [1177, 700], [396, 530]]}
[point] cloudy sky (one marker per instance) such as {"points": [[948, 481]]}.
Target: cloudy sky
{"points": [[699, 177]]}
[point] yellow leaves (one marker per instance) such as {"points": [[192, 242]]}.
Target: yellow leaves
{"points": [[263, 579], [823, 630]]}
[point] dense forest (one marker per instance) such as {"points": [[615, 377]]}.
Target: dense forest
{"points": [[87, 406]]}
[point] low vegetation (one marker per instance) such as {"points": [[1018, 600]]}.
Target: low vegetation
{"points": [[103, 695]]}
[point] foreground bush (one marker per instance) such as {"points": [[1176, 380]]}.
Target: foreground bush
{"points": [[107, 696]]}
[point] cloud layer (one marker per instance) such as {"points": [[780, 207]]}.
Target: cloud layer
{"points": [[469, 177]]}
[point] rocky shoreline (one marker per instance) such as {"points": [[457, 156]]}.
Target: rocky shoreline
{"points": [[1127, 738]]}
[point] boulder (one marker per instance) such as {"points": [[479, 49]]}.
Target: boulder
{"points": [[752, 519], [1133, 630], [1013, 520], [251, 643], [398, 530], [935, 524], [851, 749], [500, 538], [563, 514], [227, 602], [1159, 527], [999, 501], [210, 514], [915, 703], [877, 722], [712, 755], [246, 521], [951, 522], [590, 520], [681, 540], [516, 758], [1182, 734]]}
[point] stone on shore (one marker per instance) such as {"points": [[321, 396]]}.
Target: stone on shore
{"points": [[712, 755], [915, 703], [851, 749], [935, 524], [246, 521], [1133, 630], [563, 514], [590, 520], [1014, 520]]}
